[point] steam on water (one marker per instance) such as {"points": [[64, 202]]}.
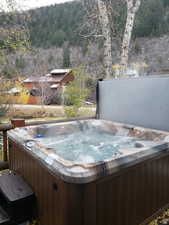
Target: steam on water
{"points": [[88, 146]]}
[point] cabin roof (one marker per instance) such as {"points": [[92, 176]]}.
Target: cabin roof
{"points": [[45, 78], [60, 71], [53, 86]]}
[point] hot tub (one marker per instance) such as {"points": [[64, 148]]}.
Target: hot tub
{"points": [[93, 172]]}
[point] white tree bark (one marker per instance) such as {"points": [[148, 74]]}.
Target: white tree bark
{"points": [[106, 32], [132, 8]]}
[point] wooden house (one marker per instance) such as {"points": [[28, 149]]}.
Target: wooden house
{"points": [[56, 78], [55, 81]]}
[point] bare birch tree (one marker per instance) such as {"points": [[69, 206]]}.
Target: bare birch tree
{"points": [[106, 32], [45, 93], [132, 8], [100, 26]]}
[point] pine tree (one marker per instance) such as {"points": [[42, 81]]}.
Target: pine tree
{"points": [[66, 56]]}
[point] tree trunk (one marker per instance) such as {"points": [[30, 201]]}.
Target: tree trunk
{"points": [[106, 32], [132, 8]]}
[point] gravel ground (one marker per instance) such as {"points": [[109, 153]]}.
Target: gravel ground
{"points": [[163, 219]]}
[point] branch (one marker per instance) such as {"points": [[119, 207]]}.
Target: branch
{"points": [[133, 5], [92, 35], [137, 5], [129, 4]]}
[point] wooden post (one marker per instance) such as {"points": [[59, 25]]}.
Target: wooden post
{"points": [[18, 122], [5, 146]]}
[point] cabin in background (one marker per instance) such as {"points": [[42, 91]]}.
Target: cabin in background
{"points": [[57, 77], [53, 82]]}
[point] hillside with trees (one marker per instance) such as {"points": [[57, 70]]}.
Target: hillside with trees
{"points": [[54, 25], [57, 39]]}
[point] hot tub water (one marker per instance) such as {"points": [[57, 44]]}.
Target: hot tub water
{"points": [[88, 146]]}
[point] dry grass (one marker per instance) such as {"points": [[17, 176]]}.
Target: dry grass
{"points": [[39, 111], [36, 112]]}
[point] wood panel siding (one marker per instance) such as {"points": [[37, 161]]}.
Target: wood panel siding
{"points": [[68, 78], [125, 198], [58, 203], [28, 85]]}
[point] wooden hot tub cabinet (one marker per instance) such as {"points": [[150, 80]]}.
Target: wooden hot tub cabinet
{"points": [[125, 198]]}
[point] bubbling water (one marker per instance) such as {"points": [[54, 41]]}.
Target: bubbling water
{"points": [[88, 146]]}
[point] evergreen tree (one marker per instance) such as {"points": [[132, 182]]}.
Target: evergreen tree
{"points": [[66, 56]]}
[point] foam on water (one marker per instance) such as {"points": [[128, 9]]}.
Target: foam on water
{"points": [[88, 146]]}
